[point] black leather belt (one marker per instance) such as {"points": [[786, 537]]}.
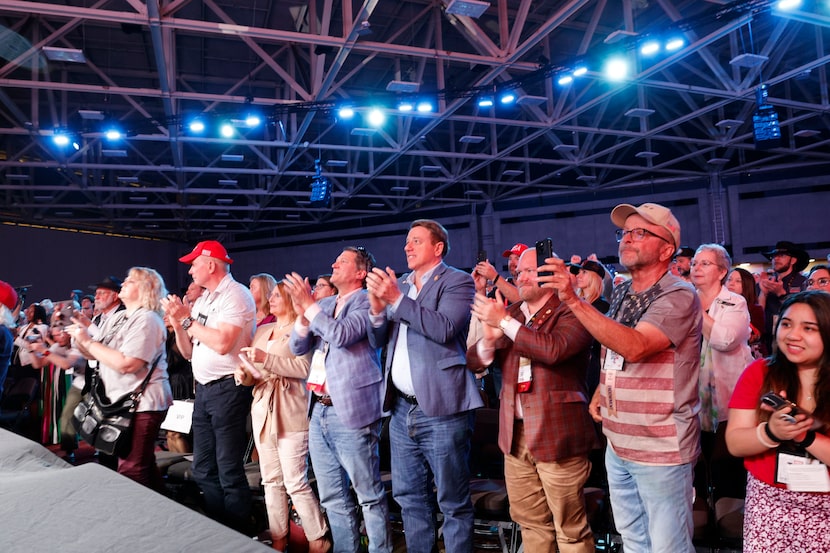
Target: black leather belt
{"points": [[323, 400], [212, 382], [412, 400]]}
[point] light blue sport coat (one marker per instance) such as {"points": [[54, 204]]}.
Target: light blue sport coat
{"points": [[353, 372]]}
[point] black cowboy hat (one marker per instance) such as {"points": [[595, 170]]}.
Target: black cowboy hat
{"points": [[685, 251], [802, 258], [109, 283]]}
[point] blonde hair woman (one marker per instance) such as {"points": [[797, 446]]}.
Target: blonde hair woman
{"points": [[280, 425], [589, 275], [261, 286], [131, 342]]}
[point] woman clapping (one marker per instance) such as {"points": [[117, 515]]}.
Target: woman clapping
{"points": [[131, 343], [280, 424]]}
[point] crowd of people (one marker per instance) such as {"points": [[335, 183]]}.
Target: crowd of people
{"points": [[668, 366]]}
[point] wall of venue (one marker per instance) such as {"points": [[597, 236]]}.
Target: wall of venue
{"points": [[755, 216], [55, 261]]}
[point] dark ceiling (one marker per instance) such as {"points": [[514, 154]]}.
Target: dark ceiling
{"points": [[681, 119]]}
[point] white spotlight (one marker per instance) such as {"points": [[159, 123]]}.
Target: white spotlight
{"points": [[616, 69], [376, 118], [226, 130], [650, 48], [60, 138], [424, 107], [786, 5]]}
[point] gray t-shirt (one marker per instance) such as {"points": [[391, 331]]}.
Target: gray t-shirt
{"points": [[140, 334], [656, 421]]}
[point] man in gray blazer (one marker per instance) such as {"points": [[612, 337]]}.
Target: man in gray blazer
{"points": [[423, 320], [345, 407]]}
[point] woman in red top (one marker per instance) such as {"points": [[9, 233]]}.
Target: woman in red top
{"points": [[787, 509]]}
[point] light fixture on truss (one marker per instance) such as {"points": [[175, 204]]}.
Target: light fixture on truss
{"points": [[320, 187]]}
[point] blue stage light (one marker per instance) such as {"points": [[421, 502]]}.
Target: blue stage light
{"points": [[253, 120], [787, 5], [60, 138], [616, 69], [424, 106], [226, 130], [650, 47], [113, 134], [376, 117]]}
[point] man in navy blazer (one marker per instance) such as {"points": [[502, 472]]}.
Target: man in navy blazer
{"points": [[423, 320], [345, 407]]}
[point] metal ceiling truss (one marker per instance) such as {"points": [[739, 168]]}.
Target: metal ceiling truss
{"points": [[151, 65]]}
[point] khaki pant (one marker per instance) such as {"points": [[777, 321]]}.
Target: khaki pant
{"points": [[547, 500]]}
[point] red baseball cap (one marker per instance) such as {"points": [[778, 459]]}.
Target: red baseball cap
{"points": [[518, 249], [210, 248], [8, 295]]}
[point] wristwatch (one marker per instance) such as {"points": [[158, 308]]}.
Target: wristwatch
{"points": [[504, 322], [187, 323]]}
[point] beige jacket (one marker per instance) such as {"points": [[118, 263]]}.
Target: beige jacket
{"points": [[280, 399]]}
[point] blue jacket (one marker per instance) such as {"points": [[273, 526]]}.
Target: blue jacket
{"points": [[353, 373], [438, 321]]}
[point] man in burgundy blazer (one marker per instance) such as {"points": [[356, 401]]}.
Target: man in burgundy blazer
{"points": [[545, 431]]}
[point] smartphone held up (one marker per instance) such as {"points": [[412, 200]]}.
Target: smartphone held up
{"points": [[544, 250]]}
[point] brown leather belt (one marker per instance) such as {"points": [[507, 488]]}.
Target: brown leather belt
{"points": [[323, 400]]}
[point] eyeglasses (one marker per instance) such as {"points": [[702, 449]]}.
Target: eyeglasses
{"points": [[637, 235], [705, 263], [822, 282], [321, 285]]}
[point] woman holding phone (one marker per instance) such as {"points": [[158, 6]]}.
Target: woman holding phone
{"points": [[280, 424], [787, 499]]}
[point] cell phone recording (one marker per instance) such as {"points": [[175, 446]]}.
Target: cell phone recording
{"points": [[544, 250]]}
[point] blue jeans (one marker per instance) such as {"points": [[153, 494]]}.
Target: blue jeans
{"points": [[421, 444], [220, 415], [340, 456], [652, 505]]}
